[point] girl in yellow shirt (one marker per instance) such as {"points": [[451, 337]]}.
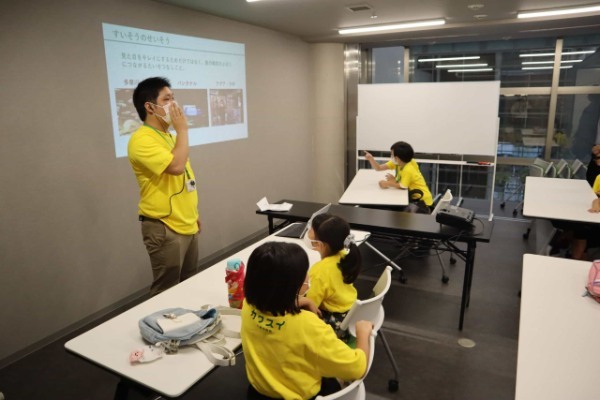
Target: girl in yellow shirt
{"points": [[289, 350], [331, 280]]}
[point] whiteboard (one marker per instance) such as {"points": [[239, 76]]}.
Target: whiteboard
{"points": [[444, 118]]}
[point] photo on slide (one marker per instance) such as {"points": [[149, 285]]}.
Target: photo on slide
{"points": [[226, 107], [129, 120]]}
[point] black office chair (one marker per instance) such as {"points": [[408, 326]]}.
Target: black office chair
{"points": [[424, 246]]}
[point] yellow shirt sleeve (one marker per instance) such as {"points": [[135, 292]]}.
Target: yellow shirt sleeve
{"points": [[150, 153], [407, 176], [596, 186], [318, 286], [335, 358]]}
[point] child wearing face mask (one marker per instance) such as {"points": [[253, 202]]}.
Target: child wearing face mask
{"points": [[331, 287], [407, 174]]}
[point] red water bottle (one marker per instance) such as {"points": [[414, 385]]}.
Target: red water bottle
{"points": [[234, 277]]}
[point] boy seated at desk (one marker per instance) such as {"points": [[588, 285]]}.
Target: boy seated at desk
{"points": [[407, 174], [584, 234]]}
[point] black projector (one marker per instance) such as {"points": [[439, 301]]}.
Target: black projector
{"points": [[456, 217]]}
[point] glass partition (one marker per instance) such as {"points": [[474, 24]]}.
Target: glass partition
{"points": [[578, 128], [580, 61], [388, 64]]}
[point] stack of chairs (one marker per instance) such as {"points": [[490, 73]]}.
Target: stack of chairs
{"points": [[539, 167]]}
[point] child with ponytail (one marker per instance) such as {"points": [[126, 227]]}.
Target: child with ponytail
{"points": [[331, 287]]}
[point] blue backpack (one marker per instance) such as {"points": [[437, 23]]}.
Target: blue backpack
{"points": [[174, 327]]}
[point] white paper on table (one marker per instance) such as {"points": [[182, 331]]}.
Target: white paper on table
{"points": [[263, 205]]}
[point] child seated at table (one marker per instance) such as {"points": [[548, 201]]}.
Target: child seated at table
{"points": [[407, 175], [290, 353], [332, 279], [584, 235]]}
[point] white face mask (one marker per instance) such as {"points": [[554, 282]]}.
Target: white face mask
{"points": [[308, 243], [167, 117]]}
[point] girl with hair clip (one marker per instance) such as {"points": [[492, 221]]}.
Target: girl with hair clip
{"points": [[290, 353], [331, 280]]}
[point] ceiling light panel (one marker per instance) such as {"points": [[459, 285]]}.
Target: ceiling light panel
{"points": [[549, 67], [449, 59], [471, 70], [391, 27], [557, 12], [566, 53], [461, 65], [549, 62]]}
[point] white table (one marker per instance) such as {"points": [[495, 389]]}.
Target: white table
{"points": [[532, 141], [561, 199], [364, 190], [110, 343], [558, 332]]}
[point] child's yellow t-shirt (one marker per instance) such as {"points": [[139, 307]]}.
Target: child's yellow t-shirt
{"points": [[327, 287], [409, 176], [286, 356]]}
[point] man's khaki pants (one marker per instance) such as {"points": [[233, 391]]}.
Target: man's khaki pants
{"points": [[173, 257]]}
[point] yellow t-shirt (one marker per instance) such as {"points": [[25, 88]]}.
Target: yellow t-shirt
{"points": [[162, 196], [410, 177], [596, 187], [286, 356], [327, 287]]}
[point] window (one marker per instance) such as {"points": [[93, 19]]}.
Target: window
{"points": [[388, 65]]}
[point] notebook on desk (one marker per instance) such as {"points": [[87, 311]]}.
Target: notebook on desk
{"points": [[299, 229]]}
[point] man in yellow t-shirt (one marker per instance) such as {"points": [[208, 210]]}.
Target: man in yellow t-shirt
{"points": [[407, 174], [168, 206]]}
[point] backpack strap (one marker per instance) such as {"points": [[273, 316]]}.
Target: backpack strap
{"points": [[230, 311], [215, 344], [223, 310], [210, 349]]}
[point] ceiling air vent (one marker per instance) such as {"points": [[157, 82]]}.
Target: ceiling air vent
{"points": [[359, 7]]}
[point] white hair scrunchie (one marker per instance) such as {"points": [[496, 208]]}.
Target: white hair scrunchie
{"points": [[348, 241]]}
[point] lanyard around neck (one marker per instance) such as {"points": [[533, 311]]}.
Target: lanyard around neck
{"points": [[168, 144]]}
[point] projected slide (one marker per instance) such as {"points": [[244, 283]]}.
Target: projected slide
{"points": [[207, 76]]}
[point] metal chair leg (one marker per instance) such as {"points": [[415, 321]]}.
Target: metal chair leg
{"points": [[392, 383]]}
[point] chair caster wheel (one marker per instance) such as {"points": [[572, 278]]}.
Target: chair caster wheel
{"points": [[393, 385], [445, 279], [402, 279], [452, 260], [502, 205], [514, 213], [526, 235]]}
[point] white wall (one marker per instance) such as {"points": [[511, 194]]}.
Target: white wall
{"points": [[70, 244]]}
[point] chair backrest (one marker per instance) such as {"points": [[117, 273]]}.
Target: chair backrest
{"points": [[563, 170], [355, 390], [442, 201], [578, 170], [369, 309], [547, 168], [536, 170]]}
